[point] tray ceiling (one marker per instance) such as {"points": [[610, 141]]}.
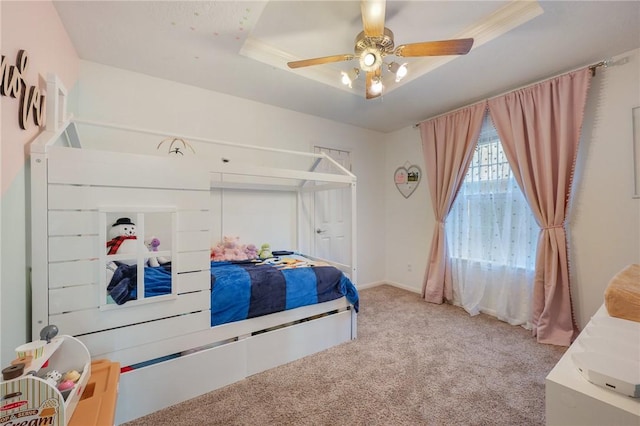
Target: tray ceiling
{"points": [[241, 48]]}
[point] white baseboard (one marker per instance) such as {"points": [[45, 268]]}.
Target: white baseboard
{"points": [[391, 283], [370, 285], [404, 287]]}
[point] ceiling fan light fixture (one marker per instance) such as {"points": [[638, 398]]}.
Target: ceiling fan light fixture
{"points": [[370, 59], [399, 70], [376, 86], [375, 42], [349, 77]]}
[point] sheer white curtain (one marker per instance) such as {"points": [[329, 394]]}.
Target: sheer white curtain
{"points": [[492, 237]]}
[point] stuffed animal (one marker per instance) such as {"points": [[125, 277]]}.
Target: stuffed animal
{"points": [[152, 244], [265, 251], [217, 253], [230, 249], [123, 239], [233, 250], [251, 251]]}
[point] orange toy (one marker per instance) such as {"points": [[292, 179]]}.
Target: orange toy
{"points": [[97, 405]]}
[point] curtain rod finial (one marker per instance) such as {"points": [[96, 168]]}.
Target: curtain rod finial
{"points": [[605, 63]]}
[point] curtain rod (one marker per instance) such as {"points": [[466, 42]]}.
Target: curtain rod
{"points": [[604, 63]]}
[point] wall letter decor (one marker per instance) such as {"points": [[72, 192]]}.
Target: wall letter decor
{"points": [[32, 102]]}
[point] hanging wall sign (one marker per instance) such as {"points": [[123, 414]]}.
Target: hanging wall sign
{"points": [[407, 178], [32, 102]]}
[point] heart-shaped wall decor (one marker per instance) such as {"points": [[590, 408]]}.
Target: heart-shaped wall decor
{"points": [[407, 178]]}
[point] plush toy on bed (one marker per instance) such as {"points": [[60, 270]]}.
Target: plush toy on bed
{"points": [[217, 253], [265, 251], [123, 239], [152, 244], [251, 251], [230, 249]]}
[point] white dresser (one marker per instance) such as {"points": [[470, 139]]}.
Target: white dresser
{"points": [[572, 400]]}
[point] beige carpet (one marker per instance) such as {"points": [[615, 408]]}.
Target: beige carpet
{"points": [[414, 363]]}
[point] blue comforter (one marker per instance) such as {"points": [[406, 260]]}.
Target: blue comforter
{"points": [[247, 290], [241, 290], [123, 284]]}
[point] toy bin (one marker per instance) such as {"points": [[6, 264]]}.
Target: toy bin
{"points": [[31, 398]]}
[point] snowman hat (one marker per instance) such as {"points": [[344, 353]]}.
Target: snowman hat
{"points": [[123, 221]]}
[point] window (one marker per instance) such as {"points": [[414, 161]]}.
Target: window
{"points": [[492, 234], [135, 242]]}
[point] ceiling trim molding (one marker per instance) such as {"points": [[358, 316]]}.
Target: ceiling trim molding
{"points": [[498, 23], [508, 17]]}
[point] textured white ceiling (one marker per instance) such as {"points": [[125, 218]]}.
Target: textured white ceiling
{"points": [[206, 43]]}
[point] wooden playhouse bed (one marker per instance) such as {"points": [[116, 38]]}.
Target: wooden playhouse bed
{"points": [[76, 194]]}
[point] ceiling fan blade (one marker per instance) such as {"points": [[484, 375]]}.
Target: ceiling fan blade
{"points": [[320, 61], [435, 48], [373, 17], [370, 94]]}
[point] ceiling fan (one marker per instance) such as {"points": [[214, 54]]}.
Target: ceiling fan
{"points": [[376, 41]]}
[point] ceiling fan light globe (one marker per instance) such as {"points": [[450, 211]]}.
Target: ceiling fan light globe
{"points": [[345, 79], [376, 86], [349, 77], [369, 59], [400, 72]]}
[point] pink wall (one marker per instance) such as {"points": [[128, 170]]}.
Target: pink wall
{"points": [[33, 26]]}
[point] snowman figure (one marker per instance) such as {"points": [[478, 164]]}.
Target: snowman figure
{"points": [[123, 239]]}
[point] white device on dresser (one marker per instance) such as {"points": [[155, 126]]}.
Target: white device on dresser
{"points": [[609, 354], [595, 381]]}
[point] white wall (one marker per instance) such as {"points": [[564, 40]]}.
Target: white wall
{"points": [[114, 95], [409, 221], [605, 224], [604, 227]]}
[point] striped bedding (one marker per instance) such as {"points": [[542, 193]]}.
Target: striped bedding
{"points": [[241, 290], [247, 289]]}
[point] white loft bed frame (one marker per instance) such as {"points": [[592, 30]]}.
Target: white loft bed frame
{"points": [[70, 185]]}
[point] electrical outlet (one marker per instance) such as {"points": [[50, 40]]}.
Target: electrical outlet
{"points": [[409, 267]]}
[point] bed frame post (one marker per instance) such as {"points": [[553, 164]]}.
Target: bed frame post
{"points": [[39, 252], [354, 254], [56, 103], [354, 236], [298, 221], [57, 123]]}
